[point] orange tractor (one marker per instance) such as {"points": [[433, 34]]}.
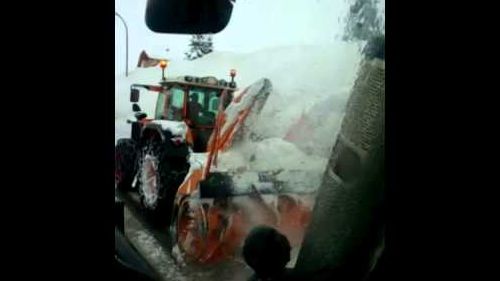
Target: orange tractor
{"points": [[171, 161]]}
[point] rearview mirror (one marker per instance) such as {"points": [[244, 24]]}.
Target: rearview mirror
{"points": [[134, 95], [188, 16]]}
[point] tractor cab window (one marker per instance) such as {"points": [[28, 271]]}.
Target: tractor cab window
{"points": [[214, 100], [170, 104], [203, 105], [213, 104]]}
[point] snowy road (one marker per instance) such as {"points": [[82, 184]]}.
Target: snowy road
{"points": [[159, 258]]}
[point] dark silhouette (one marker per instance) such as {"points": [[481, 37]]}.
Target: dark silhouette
{"points": [[194, 107], [267, 252]]}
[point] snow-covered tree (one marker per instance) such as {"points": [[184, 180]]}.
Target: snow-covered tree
{"points": [[365, 20], [199, 46]]}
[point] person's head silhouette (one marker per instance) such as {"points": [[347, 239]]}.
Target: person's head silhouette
{"points": [[193, 97], [267, 252]]}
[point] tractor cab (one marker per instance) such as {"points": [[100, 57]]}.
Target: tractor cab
{"points": [[192, 100]]}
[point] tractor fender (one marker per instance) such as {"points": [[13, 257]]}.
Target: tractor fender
{"points": [[177, 150], [152, 129]]}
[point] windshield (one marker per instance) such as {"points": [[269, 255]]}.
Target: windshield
{"points": [[306, 125]]}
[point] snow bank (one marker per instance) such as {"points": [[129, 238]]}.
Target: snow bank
{"points": [[302, 172], [276, 153], [268, 154]]}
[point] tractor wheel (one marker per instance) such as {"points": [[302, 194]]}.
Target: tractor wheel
{"points": [[157, 181], [125, 163]]}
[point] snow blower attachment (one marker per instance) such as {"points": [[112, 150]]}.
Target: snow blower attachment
{"points": [[220, 204], [210, 207]]}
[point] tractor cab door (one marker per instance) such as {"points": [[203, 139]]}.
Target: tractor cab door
{"points": [[202, 107], [200, 119], [170, 104]]}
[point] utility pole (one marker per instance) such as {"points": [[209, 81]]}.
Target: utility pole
{"points": [[126, 42]]}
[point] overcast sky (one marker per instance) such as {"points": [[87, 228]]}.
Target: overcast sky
{"points": [[254, 25]]}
